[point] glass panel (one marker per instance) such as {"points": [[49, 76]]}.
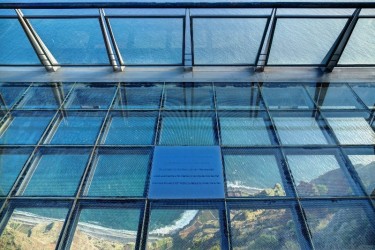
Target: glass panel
{"points": [[33, 228], [314, 12], [131, 128], [317, 172], [106, 229], [78, 128], [253, 173], [57, 173], [11, 163], [120, 173], [10, 94], [300, 128], [286, 96], [188, 129], [336, 226], [139, 96], [263, 229], [239, 128], [361, 45], [299, 41], [365, 167], [150, 41], [367, 93], [237, 41], [73, 41], [24, 127], [334, 96], [90, 97], [238, 96], [188, 96], [15, 47], [184, 229]]}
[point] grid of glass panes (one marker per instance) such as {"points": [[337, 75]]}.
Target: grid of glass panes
{"points": [[292, 144]]}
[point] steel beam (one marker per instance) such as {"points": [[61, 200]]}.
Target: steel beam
{"points": [[188, 54]]}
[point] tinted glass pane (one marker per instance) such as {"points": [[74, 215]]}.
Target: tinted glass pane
{"points": [[188, 96], [139, 96], [73, 41], [121, 174], [286, 96], [365, 167], [253, 173], [187, 128], [304, 41], [263, 229], [90, 97], [33, 228], [361, 46], [238, 96], [78, 128], [340, 227], [24, 128], [245, 128], [184, 229], [106, 229], [10, 94], [317, 174], [56, 174], [334, 96], [131, 128], [367, 93], [149, 40], [236, 42], [15, 47]]}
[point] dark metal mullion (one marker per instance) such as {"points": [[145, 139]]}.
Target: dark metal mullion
{"points": [[114, 43], [159, 119], [217, 124], [265, 44]]}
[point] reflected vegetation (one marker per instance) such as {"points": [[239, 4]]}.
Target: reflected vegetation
{"points": [[365, 167]]}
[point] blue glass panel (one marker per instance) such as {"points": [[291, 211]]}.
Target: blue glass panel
{"points": [[286, 96], [120, 173], [187, 129], [78, 128], [253, 173], [10, 94], [73, 41], [188, 96], [59, 12], [139, 96], [334, 96], [15, 47], [237, 41], [149, 41], [57, 174], [11, 163], [242, 128], [238, 96], [367, 93], [131, 128], [304, 41], [90, 97], [24, 128]]}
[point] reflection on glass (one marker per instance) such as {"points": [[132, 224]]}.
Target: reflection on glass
{"points": [[263, 229], [139, 96], [187, 128], [236, 42], [188, 96], [184, 229], [15, 47], [238, 96], [286, 96], [341, 227], [367, 94], [130, 128], [56, 175], [73, 41], [361, 46], [365, 167], [10, 94], [304, 41], [252, 174], [149, 41], [106, 229], [352, 130], [90, 97], [122, 174], [318, 175], [33, 228]]}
